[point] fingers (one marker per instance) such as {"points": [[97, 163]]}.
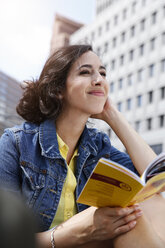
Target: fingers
{"points": [[118, 220], [125, 228], [129, 218], [121, 212]]}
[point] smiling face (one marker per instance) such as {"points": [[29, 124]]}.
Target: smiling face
{"points": [[86, 85]]}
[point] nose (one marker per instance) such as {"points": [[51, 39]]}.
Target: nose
{"points": [[97, 80]]}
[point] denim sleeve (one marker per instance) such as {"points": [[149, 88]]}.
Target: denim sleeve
{"points": [[9, 162], [123, 159]]}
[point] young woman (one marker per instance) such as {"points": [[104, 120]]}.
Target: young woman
{"points": [[49, 158]]}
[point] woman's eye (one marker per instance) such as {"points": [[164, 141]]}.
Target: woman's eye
{"points": [[103, 74], [84, 72]]}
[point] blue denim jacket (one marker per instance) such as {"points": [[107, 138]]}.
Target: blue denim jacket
{"points": [[31, 164]]}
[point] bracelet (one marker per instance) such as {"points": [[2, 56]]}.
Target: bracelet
{"points": [[52, 237]]}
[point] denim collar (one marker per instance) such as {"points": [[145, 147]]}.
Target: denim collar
{"points": [[49, 144]]}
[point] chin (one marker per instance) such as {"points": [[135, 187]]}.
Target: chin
{"points": [[97, 111]]}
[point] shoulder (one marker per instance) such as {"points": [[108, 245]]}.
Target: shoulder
{"points": [[18, 132], [25, 127], [21, 130], [98, 135], [96, 139]]}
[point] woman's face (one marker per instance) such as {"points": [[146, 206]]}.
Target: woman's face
{"points": [[86, 85]]}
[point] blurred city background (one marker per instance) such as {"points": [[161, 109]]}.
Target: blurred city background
{"points": [[129, 35]]}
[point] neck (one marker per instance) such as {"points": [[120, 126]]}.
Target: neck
{"points": [[70, 127]]}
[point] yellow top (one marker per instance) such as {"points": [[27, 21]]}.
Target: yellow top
{"points": [[67, 205]]}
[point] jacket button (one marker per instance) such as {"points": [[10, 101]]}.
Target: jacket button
{"points": [[107, 156], [23, 163], [44, 171]]}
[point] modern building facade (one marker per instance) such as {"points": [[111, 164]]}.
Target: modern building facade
{"points": [[10, 93], [62, 29], [129, 36]]}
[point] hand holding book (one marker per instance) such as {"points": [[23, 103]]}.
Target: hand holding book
{"points": [[111, 184]]}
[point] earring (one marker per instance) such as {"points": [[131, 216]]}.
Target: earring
{"points": [[60, 96]]}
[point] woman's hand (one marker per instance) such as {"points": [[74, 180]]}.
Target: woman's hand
{"points": [[105, 114], [96, 224]]}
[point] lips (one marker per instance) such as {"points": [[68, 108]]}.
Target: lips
{"points": [[96, 93]]}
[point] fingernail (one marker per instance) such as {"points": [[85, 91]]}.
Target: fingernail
{"points": [[139, 213], [133, 223], [137, 207]]}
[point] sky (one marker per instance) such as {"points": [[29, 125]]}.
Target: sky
{"points": [[26, 29]]}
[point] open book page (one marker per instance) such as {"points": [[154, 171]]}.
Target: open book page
{"points": [[155, 167], [154, 185], [108, 186]]}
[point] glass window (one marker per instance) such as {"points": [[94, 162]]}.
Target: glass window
{"points": [[120, 85], [143, 2], [149, 123], [115, 19], [141, 50], [113, 63], [122, 59], [114, 42], [139, 100], [153, 17], [142, 24], [134, 7], [119, 106], [111, 88], [109, 132], [98, 51], [150, 96], [161, 120], [158, 148], [106, 47], [129, 79], [163, 38], [107, 25], [163, 65], [128, 103], [99, 31], [137, 125], [123, 34], [124, 14], [132, 31], [152, 43], [162, 93], [151, 70], [92, 36], [131, 55], [140, 75]]}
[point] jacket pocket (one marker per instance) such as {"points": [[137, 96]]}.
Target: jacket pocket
{"points": [[33, 181]]}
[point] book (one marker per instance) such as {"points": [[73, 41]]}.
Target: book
{"points": [[111, 184]]}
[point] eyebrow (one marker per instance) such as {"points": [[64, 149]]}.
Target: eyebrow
{"points": [[90, 66]]}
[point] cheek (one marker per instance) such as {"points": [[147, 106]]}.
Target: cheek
{"points": [[107, 89]]}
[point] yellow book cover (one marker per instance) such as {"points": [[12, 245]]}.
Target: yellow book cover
{"points": [[111, 184]]}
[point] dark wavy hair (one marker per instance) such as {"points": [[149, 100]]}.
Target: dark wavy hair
{"points": [[41, 98]]}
